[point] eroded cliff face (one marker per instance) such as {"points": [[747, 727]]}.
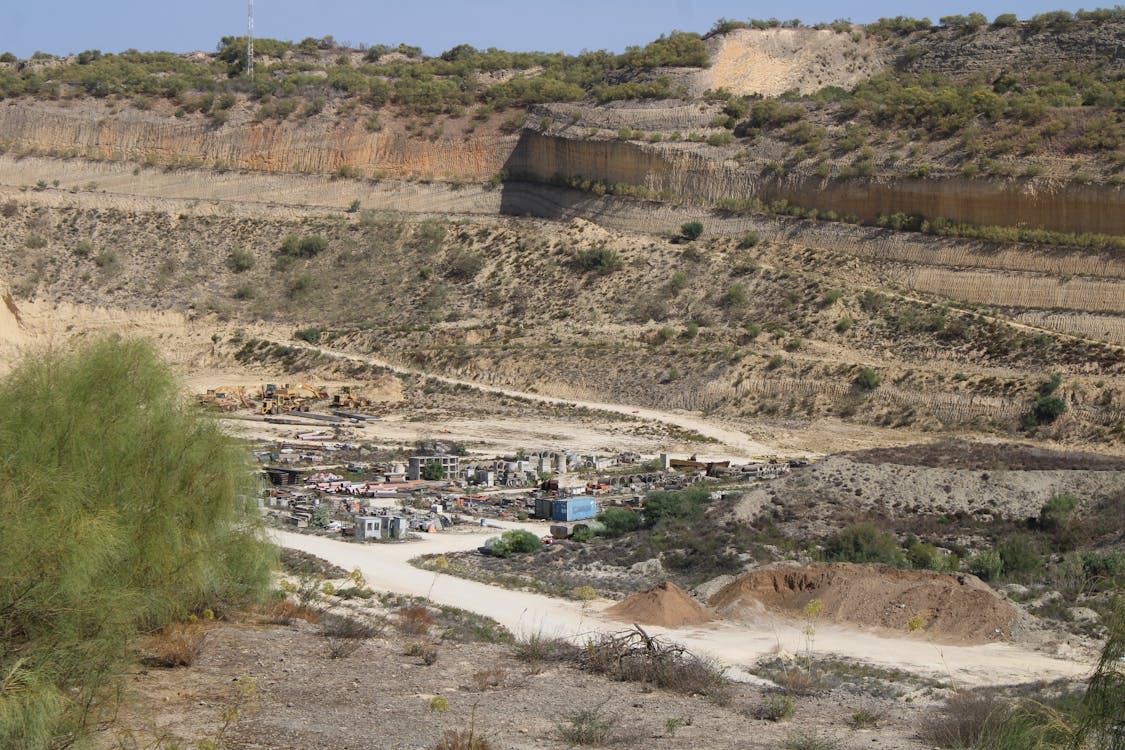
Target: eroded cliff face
{"points": [[319, 144], [1038, 204], [324, 143]]}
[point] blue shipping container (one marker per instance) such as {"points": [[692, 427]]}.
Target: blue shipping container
{"points": [[574, 509]]}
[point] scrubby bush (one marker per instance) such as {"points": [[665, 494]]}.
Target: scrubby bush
{"points": [[294, 246], [463, 265], [240, 259], [1057, 514], [124, 512], [735, 296], [619, 521], [749, 240], [863, 543], [310, 334], [691, 230], [927, 557], [1046, 409], [514, 542], [599, 259], [676, 505], [867, 379], [986, 565], [1019, 555]]}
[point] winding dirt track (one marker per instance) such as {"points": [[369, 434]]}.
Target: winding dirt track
{"points": [[733, 442], [736, 646]]}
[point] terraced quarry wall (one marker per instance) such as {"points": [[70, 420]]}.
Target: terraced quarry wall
{"points": [[1059, 207], [325, 143], [319, 144]]}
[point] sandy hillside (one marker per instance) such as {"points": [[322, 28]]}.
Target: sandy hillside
{"points": [[772, 61]]}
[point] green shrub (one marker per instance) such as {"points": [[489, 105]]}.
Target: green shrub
{"points": [[1057, 514], [928, 557], [735, 296], [749, 240], [619, 521], [867, 379], [691, 330], [844, 324], [986, 565], [150, 518], [678, 505], [514, 542], [586, 726], [300, 284], [294, 246], [1019, 555], [599, 259], [691, 230], [831, 297], [240, 259], [863, 543], [774, 707], [1050, 385], [311, 335], [1047, 409]]}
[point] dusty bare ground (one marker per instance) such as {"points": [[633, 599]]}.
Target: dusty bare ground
{"points": [[381, 697]]}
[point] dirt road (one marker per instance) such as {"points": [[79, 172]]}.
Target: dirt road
{"points": [[387, 568], [731, 442]]}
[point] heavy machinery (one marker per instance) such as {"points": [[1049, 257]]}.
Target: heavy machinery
{"points": [[226, 398], [345, 399], [279, 399]]}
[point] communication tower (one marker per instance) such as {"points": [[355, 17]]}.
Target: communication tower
{"points": [[249, 38]]}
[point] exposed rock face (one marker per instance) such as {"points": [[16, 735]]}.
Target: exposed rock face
{"points": [[991, 202], [994, 50], [321, 145], [324, 144]]}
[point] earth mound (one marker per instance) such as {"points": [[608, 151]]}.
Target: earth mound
{"points": [[956, 608], [665, 604]]}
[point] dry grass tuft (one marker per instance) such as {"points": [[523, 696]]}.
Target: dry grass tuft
{"points": [[177, 645], [415, 620]]}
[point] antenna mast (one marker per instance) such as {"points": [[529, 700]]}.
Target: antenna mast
{"points": [[250, 38]]}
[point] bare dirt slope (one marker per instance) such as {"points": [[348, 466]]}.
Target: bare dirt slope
{"points": [[772, 61], [841, 487]]}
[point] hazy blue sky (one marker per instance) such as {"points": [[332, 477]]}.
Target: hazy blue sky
{"points": [[67, 26]]}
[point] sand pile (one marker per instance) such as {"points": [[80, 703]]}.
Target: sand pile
{"points": [[953, 608], [665, 604]]}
